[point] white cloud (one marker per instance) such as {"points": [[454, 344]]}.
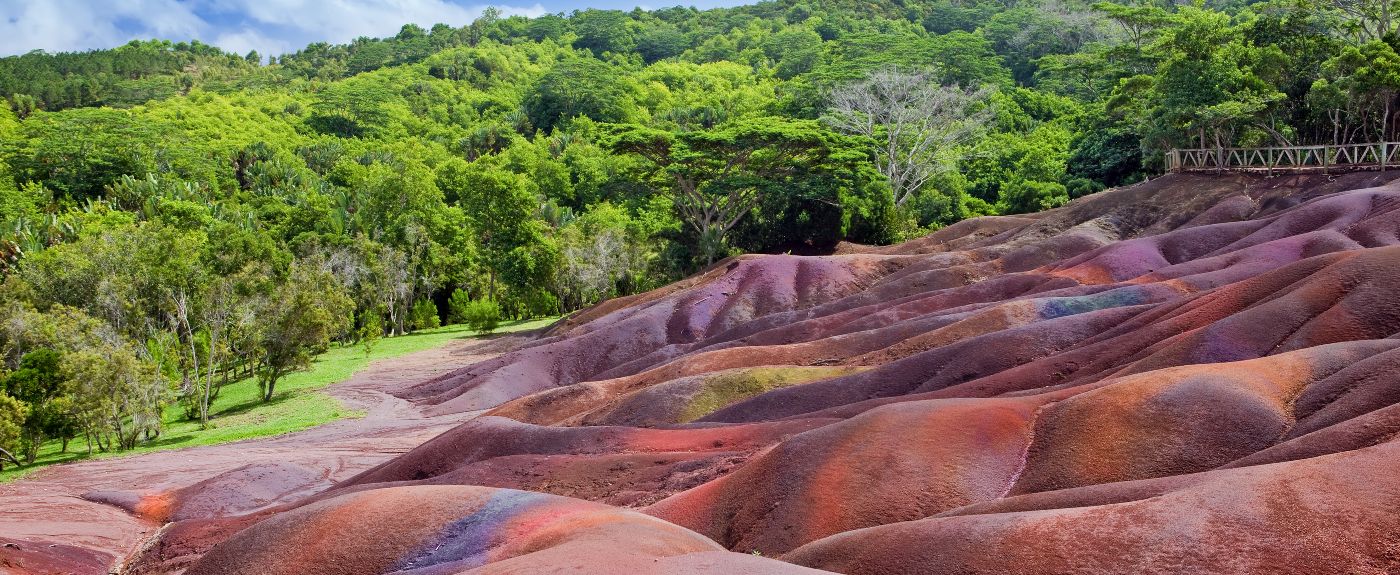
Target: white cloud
{"points": [[245, 40], [79, 25], [340, 21], [345, 20], [268, 26]]}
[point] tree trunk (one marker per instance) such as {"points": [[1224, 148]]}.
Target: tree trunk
{"points": [[492, 273], [707, 237], [1385, 121], [182, 308], [208, 381], [121, 434], [1336, 127], [31, 451], [1384, 24], [7, 455], [271, 384], [393, 316]]}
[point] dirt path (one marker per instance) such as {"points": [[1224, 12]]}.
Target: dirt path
{"points": [[45, 511]]}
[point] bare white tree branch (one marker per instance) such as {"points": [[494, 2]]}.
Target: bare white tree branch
{"points": [[920, 126]]}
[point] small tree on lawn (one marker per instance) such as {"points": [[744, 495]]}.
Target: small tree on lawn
{"points": [[299, 319], [371, 331]]}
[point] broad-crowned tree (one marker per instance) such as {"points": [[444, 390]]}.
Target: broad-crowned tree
{"points": [[716, 177], [1361, 85], [603, 31]]}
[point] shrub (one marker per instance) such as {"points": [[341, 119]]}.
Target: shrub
{"points": [[371, 331], [1080, 187], [1028, 196], [482, 315], [457, 307], [424, 315]]}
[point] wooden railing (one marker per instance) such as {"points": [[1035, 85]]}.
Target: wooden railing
{"points": [[1349, 157]]}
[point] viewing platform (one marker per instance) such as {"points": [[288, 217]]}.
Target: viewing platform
{"points": [[1293, 159]]}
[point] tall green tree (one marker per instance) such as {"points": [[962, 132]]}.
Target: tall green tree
{"points": [[1211, 85], [501, 208], [578, 87], [39, 384], [603, 31], [1361, 85]]}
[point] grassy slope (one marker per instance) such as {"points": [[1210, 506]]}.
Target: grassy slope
{"points": [[298, 404]]}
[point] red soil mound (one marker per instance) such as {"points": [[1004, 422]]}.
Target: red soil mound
{"points": [[43, 558], [461, 529], [1329, 514], [238, 492], [1192, 375]]}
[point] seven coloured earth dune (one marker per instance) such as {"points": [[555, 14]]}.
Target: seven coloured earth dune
{"points": [[1192, 375]]}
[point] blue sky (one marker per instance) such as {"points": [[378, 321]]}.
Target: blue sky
{"points": [[268, 26]]}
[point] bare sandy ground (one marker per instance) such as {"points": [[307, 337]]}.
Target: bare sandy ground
{"points": [[45, 512]]}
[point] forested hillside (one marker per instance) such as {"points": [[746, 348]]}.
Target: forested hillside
{"points": [[172, 216]]}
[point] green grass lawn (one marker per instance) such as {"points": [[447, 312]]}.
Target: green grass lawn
{"points": [[239, 413]]}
